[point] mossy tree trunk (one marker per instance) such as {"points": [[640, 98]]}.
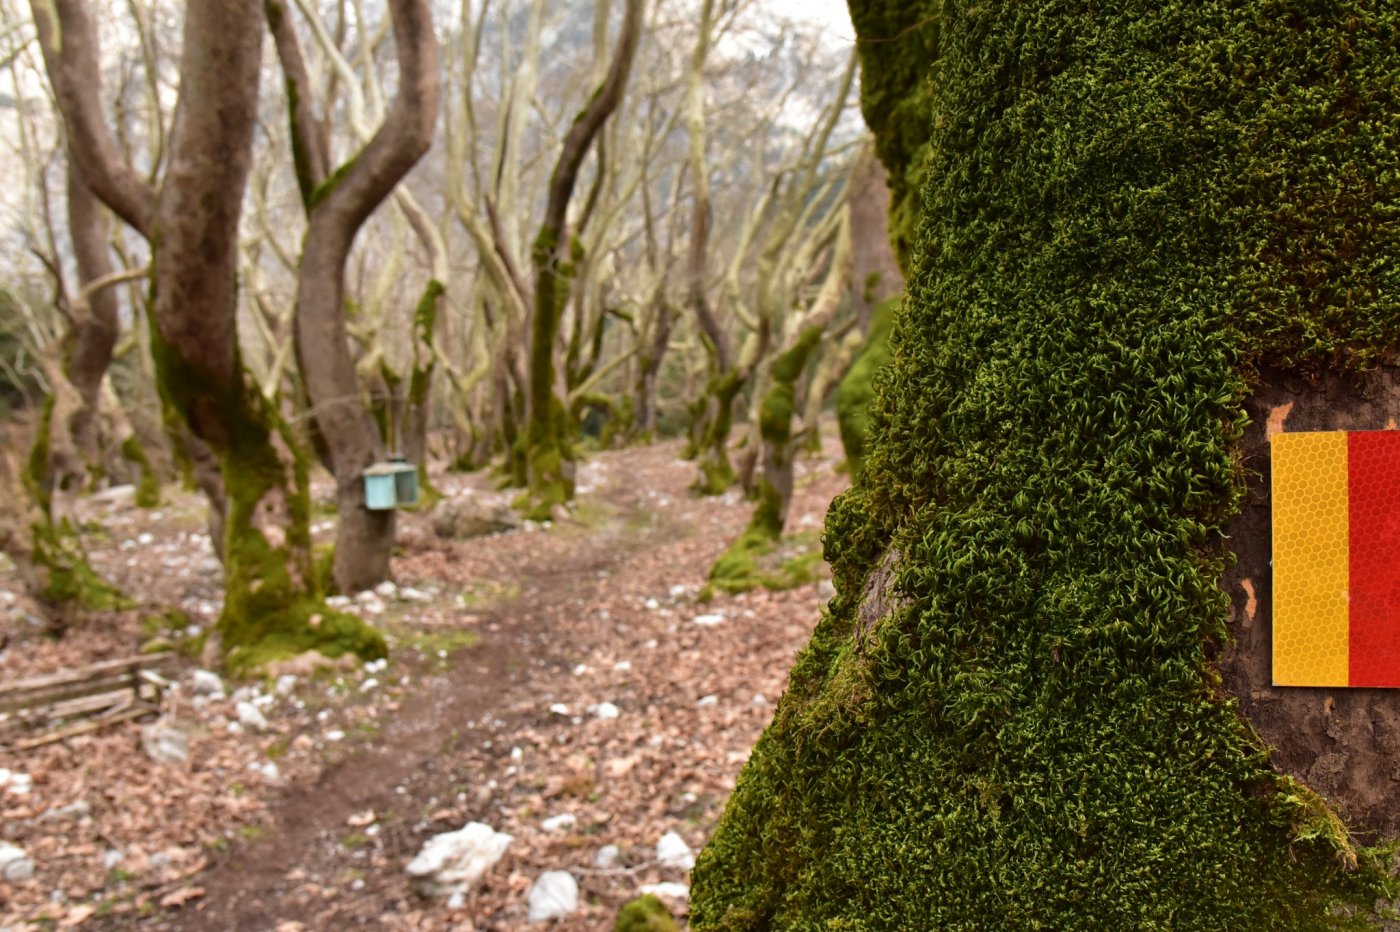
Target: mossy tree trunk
{"points": [[1012, 715], [777, 448], [191, 221], [337, 204], [546, 448]]}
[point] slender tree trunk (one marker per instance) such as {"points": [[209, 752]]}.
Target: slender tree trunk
{"points": [[337, 205], [548, 455]]}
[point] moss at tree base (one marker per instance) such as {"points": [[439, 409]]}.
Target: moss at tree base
{"points": [[308, 625], [757, 561]]}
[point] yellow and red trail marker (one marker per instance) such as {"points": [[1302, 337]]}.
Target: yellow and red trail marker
{"points": [[1336, 570]]}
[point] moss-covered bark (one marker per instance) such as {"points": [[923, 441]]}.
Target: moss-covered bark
{"points": [[857, 389], [1010, 718], [740, 568], [547, 451], [712, 420], [896, 41]]}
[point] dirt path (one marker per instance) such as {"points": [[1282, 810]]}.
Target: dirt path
{"points": [[597, 609]]}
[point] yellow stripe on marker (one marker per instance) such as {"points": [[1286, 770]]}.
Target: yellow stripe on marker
{"points": [[1311, 559]]}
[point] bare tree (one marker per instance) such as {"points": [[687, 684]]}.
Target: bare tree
{"points": [[547, 446], [191, 220], [337, 204]]}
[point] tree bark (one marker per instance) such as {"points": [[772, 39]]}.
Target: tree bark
{"points": [[192, 223], [547, 447], [337, 206]]}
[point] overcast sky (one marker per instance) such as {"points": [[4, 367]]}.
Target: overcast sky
{"points": [[832, 15]]}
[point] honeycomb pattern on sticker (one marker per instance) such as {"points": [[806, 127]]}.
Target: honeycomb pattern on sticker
{"points": [[1311, 562]]}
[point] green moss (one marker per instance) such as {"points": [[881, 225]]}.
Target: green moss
{"points": [[645, 914], [713, 419], [147, 484], [1129, 209], [324, 189], [68, 580], [757, 560], [896, 40], [857, 389]]}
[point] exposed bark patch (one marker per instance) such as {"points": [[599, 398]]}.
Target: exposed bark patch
{"points": [[879, 599], [1344, 743]]}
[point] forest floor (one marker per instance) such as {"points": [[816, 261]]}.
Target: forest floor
{"points": [[559, 682]]}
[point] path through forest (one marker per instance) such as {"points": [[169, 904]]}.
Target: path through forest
{"points": [[600, 609]]}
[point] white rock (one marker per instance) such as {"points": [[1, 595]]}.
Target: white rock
{"points": [[706, 701], [15, 865], [250, 717], [338, 601], [559, 823], [145, 540], [20, 783], [386, 589], [112, 858], [608, 857], [233, 728], [335, 734], [369, 684], [208, 683], [554, 895], [652, 604], [581, 669], [454, 861], [517, 755], [622, 666], [559, 709], [606, 710], [285, 684], [708, 621], [667, 891], [409, 594], [165, 744], [677, 591], [759, 699], [269, 772], [672, 851]]}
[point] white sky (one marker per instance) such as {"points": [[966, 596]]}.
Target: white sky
{"points": [[832, 15]]}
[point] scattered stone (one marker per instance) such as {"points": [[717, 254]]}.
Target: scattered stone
{"points": [[468, 516], [623, 666], [454, 861], [553, 896], [369, 684], [250, 717], [409, 594], [286, 683], [15, 864], [117, 496], [708, 621], [269, 772], [672, 851], [759, 699], [652, 604], [386, 589], [607, 858], [16, 782], [559, 823], [111, 858], [335, 734], [581, 669], [559, 709], [706, 701], [208, 683], [77, 810], [669, 890], [606, 710]]}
